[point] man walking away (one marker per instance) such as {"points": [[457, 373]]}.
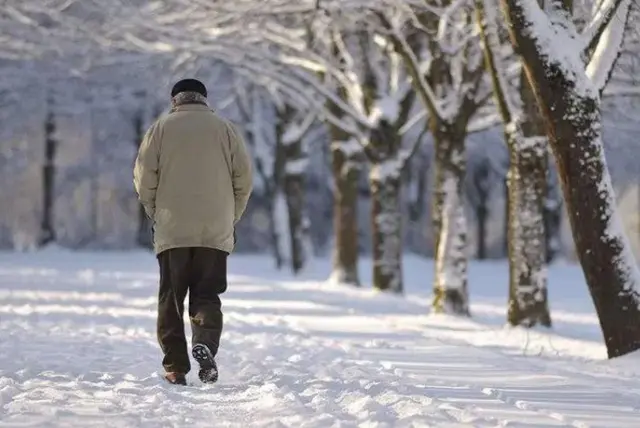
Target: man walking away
{"points": [[194, 177]]}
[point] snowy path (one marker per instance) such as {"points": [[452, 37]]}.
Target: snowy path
{"points": [[78, 348]]}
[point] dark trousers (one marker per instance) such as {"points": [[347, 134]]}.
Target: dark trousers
{"points": [[203, 273]]}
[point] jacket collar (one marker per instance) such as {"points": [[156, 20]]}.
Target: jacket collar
{"points": [[191, 107]]}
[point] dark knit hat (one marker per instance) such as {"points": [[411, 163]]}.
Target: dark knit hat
{"points": [[189, 85]]}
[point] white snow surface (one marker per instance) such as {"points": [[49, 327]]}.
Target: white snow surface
{"points": [[78, 349]]}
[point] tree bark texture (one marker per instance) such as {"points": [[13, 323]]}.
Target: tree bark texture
{"points": [[572, 119]]}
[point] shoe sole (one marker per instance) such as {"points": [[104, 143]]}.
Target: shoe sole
{"points": [[202, 354]]}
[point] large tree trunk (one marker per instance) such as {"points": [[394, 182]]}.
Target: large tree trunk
{"points": [[345, 215], [47, 232], [386, 227], [450, 293], [571, 110]]}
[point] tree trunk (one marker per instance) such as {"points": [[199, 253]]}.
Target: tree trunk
{"points": [[386, 228], [295, 166], [47, 232], [289, 135], [281, 228], [345, 213], [482, 214], [527, 183], [145, 237], [277, 204], [481, 187], [552, 216], [526, 189], [571, 111], [450, 283], [507, 215], [527, 271]]}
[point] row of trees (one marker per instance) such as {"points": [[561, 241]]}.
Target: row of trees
{"points": [[376, 77]]}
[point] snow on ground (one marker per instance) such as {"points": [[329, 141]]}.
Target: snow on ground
{"points": [[78, 349]]}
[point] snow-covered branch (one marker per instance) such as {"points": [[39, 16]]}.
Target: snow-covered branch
{"points": [[413, 65], [608, 45], [603, 17]]}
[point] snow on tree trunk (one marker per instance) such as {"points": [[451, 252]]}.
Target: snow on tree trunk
{"points": [[386, 226], [345, 215], [47, 232], [569, 100], [450, 225], [527, 270]]}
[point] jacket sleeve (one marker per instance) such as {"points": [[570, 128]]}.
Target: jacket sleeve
{"points": [[145, 171], [242, 172]]}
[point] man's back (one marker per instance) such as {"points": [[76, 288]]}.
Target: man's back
{"points": [[203, 179]]}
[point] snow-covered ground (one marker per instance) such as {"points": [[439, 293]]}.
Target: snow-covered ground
{"points": [[78, 348]]}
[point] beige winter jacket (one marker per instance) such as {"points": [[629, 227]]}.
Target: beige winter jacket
{"points": [[194, 178]]}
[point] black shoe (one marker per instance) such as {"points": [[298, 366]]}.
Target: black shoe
{"points": [[208, 368], [175, 378]]}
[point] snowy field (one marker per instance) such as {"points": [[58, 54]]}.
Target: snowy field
{"points": [[78, 349]]}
